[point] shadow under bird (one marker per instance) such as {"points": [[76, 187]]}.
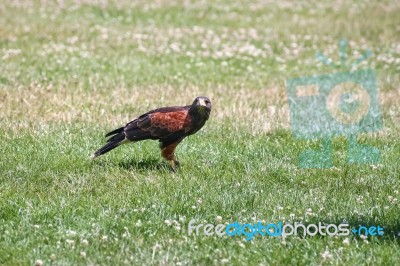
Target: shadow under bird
{"points": [[168, 125]]}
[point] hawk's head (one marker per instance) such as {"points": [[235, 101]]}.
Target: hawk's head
{"points": [[202, 105]]}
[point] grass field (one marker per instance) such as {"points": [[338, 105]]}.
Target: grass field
{"points": [[70, 71]]}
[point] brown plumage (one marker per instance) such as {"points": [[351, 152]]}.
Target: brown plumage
{"points": [[169, 125]]}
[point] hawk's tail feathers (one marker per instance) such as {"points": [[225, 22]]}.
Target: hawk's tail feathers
{"points": [[113, 142]]}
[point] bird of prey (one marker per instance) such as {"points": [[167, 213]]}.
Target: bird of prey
{"points": [[168, 125]]}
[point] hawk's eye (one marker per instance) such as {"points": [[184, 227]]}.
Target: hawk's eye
{"points": [[207, 101]]}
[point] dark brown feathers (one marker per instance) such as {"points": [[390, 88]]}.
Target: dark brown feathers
{"points": [[169, 125]]}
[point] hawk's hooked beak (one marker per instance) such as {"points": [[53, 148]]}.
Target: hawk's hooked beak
{"points": [[202, 102]]}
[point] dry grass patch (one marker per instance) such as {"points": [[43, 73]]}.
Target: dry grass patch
{"points": [[258, 109]]}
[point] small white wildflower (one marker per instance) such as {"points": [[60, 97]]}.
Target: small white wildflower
{"points": [[104, 238], [224, 261], [182, 218], [10, 52], [346, 241], [85, 242], [53, 257], [193, 207], [392, 199], [70, 241], [292, 216], [167, 222], [218, 219], [366, 241], [309, 212], [360, 199], [71, 233], [38, 263], [36, 226], [139, 223], [363, 237], [200, 201], [83, 254], [326, 255]]}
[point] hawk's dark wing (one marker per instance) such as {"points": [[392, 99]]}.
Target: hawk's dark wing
{"points": [[163, 124]]}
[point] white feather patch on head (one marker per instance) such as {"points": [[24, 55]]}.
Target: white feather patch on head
{"points": [[202, 102]]}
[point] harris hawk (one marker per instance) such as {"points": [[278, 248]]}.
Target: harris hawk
{"points": [[168, 125]]}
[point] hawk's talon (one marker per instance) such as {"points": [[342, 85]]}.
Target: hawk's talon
{"points": [[174, 165]]}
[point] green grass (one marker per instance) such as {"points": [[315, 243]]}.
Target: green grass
{"points": [[69, 74]]}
